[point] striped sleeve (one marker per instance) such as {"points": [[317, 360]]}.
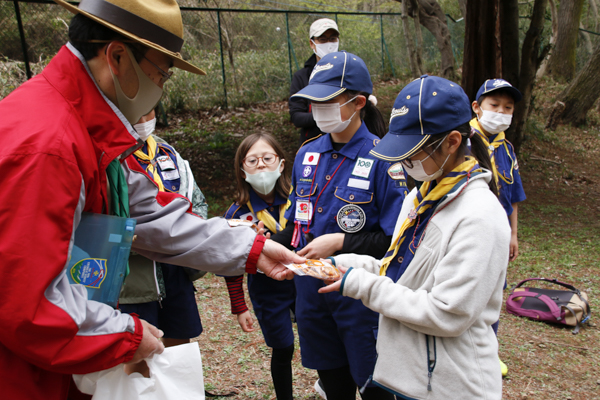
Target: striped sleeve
{"points": [[236, 294]]}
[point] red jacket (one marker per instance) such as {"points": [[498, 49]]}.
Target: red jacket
{"points": [[58, 136]]}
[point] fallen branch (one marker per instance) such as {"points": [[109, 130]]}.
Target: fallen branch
{"points": [[534, 157]]}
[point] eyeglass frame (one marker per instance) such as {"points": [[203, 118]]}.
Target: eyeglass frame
{"points": [[165, 75], [407, 162], [329, 39], [260, 158]]}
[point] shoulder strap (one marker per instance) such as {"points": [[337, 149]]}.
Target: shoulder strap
{"points": [[570, 287]]}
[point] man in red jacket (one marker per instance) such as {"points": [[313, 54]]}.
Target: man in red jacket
{"points": [[60, 133]]}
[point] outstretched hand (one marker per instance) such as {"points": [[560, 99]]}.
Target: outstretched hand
{"points": [[334, 286], [272, 258], [323, 246]]}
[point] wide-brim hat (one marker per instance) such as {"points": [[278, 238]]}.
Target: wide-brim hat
{"points": [[334, 74], [491, 85], [425, 107], [154, 23]]}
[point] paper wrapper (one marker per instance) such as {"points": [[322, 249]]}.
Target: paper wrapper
{"points": [[317, 269], [242, 222]]}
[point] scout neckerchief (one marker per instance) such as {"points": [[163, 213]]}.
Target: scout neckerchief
{"points": [[267, 218], [151, 168], [499, 140], [119, 196], [424, 200]]}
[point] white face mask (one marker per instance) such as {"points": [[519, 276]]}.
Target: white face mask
{"points": [[146, 98], [493, 122], [322, 49], [418, 172], [328, 116], [145, 129], [263, 182]]}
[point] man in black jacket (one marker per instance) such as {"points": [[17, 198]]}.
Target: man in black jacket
{"points": [[324, 39]]}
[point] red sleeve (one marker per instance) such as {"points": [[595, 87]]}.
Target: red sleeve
{"points": [[236, 294], [255, 251]]}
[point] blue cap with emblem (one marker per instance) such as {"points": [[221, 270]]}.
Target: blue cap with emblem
{"points": [[334, 74], [427, 106], [496, 84]]}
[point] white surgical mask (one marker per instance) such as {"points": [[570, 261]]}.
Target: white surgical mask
{"points": [[493, 122], [263, 182], [328, 116], [145, 129], [146, 98], [418, 172], [322, 49]]}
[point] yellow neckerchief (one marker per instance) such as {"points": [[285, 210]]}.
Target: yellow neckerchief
{"points": [[497, 142], [428, 199], [268, 220], [151, 169]]}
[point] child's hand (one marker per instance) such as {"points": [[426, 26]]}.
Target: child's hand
{"points": [[514, 248], [245, 321], [334, 286]]}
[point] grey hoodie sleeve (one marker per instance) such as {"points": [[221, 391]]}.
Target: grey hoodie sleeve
{"points": [[168, 232]]}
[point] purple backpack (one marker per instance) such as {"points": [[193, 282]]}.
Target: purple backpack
{"points": [[568, 307]]}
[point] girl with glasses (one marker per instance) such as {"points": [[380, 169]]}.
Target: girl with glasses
{"points": [[262, 188], [439, 286]]}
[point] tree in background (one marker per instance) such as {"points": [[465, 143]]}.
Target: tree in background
{"points": [[562, 62], [579, 97], [492, 51], [414, 51], [432, 17]]}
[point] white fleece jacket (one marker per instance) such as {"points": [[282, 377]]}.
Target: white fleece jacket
{"points": [[451, 291]]}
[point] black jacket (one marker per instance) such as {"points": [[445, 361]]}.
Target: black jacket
{"points": [[299, 107]]}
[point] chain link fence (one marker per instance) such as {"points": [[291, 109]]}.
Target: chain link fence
{"points": [[252, 60]]}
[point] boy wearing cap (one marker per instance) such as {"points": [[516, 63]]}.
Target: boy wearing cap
{"points": [[324, 37], [73, 156], [494, 108], [439, 287], [342, 200]]}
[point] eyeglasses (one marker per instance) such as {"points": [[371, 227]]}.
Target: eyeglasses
{"points": [[165, 75], [409, 164], [324, 39], [268, 159]]}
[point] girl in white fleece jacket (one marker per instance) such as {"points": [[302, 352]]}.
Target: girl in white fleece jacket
{"points": [[439, 287]]}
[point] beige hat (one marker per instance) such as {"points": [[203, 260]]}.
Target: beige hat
{"points": [[153, 23], [321, 25]]}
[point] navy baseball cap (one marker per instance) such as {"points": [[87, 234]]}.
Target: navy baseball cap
{"points": [[334, 74], [427, 106], [494, 84]]}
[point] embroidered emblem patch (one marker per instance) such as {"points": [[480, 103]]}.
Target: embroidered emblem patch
{"points": [[319, 68], [396, 172], [351, 218], [89, 272], [363, 167], [307, 171]]}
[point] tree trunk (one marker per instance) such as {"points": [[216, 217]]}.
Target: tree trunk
{"points": [[432, 17], [544, 66], [562, 63], [419, 36], [530, 62], [579, 97], [481, 46], [509, 40], [410, 43], [589, 47], [463, 8]]}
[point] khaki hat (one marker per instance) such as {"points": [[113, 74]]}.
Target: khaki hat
{"points": [[320, 26], [154, 23]]}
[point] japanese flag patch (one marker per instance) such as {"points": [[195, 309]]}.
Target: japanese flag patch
{"points": [[311, 158], [248, 217]]}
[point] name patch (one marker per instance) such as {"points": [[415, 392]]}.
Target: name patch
{"points": [[359, 183]]}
